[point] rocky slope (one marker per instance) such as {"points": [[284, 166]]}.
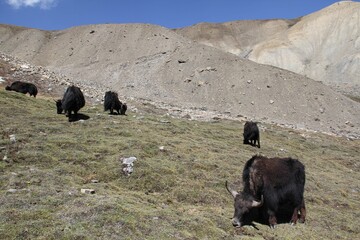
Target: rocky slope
{"points": [[237, 37], [324, 45], [152, 63]]}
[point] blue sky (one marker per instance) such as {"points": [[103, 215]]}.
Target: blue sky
{"points": [[62, 14]]}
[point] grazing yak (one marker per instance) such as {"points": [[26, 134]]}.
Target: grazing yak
{"points": [[272, 192], [112, 102], [72, 101], [23, 87], [251, 134]]}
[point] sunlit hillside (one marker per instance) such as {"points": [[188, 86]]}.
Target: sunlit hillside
{"points": [[177, 188]]}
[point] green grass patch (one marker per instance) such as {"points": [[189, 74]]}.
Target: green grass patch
{"points": [[174, 193]]}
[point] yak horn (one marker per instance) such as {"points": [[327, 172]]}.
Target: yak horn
{"points": [[232, 192], [258, 204]]}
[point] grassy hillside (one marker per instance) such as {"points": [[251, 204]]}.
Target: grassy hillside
{"points": [[175, 193]]}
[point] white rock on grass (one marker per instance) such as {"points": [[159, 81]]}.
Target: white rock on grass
{"points": [[128, 165], [87, 190], [12, 138]]}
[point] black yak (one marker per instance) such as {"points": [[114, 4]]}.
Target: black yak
{"points": [[72, 101], [273, 192], [251, 134], [112, 102], [23, 87]]}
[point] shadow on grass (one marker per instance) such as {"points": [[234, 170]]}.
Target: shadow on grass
{"points": [[117, 114], [79, 116]]}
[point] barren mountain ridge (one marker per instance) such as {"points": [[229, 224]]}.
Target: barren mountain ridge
{"points": [[324, 45], [151, 63]]}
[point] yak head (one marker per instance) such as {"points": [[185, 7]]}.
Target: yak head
{"points": [[123, 108], [246, 207], [59, 106]]}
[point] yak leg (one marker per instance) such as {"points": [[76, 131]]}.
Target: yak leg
{"points": [[272, 219], [295, 216], [76, 116], [73, 117], [251, 141], [302, 212], [70, 116]]}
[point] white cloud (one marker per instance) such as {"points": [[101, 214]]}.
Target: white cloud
{"points": [[44, 4]]}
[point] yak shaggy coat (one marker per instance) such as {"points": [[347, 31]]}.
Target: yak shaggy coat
{"points": [[112, 102], [279, 183], [72, 101], [23, 87], [251, 134]]}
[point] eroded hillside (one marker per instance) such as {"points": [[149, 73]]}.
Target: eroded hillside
{"points": [[153, 63], [324, 45]]}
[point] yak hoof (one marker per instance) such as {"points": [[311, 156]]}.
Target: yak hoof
{"points": [[301, 220]]}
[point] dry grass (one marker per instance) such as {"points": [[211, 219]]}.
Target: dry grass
{"points": [[177, 193]]}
